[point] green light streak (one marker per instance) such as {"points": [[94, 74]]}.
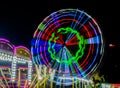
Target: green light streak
{"points": [[78, 54], [41, 26]]}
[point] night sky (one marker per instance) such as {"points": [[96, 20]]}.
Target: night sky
{"points": [[19, 20]]}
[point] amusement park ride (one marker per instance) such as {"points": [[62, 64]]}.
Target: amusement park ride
{"points": [[15, 64], [66, 50]]}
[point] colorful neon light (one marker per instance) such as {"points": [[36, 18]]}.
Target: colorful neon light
{"points": [[23, 48], [5, 45], [12, 63], [69, 41], [79, 52]]}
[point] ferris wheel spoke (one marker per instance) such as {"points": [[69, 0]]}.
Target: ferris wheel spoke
{"points": [[69, 56], [93, 40], [51, 63], [79, 69], [59, 54], [66, 58], [72, 41], [55, 51], [55, 65], [74, 18], [84, 22], [58, 43], [68, 53], [64, 53], [74, 25], [44, 45], [54, 45], [80, 17]]}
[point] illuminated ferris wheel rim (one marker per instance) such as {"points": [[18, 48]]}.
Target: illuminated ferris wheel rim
{"points": [[51, 20], [73, 10]]}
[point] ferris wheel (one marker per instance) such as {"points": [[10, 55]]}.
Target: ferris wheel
{"points": [[70, 42]]}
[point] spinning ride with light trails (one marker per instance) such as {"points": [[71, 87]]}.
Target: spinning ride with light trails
{"points": [[70, 42]]}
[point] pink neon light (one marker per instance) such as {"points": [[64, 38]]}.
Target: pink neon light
{"points": [[3, 39]]}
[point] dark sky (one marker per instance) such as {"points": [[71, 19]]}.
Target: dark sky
{"points": [[19, 20]]}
